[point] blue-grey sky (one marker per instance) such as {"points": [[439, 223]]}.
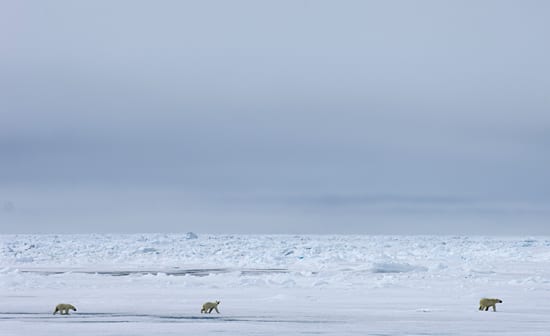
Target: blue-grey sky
{"points": [[375, 117]]}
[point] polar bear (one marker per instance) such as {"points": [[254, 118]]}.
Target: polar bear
{"points": [[485, 303], [63, 308], [209, 306]]}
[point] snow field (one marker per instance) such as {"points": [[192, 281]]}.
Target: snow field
{"points": [[299, 285]]}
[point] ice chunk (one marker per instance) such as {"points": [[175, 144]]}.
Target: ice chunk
{"points": [[191, 235]]}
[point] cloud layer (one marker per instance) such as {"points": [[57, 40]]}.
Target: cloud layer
{"points": [[272, 117]]}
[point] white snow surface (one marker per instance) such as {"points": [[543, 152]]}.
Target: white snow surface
{"points": [[147, 284]]}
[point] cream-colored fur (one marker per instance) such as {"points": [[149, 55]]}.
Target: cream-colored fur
{"points": [[63, 308], [485, 303], [209, 306]]}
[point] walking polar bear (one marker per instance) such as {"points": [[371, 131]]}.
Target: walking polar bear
{"points": [[485, 303], [209, 306], [63, 308]]}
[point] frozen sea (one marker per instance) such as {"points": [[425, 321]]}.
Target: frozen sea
{"points": [[155, 284]]}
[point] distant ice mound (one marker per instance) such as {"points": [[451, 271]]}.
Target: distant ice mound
{"points": [[148, 250], [191, 235], [25, 260], [390, 267]]}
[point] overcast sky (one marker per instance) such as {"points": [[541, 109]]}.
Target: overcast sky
{"points": [[397, 117]]}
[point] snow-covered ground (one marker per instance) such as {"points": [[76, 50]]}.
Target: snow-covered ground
{"points": [[154, 284]]}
